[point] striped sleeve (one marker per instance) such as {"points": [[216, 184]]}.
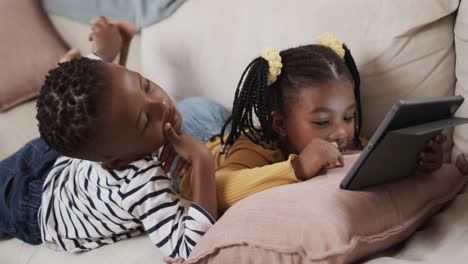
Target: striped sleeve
{"points": [[174, 225]]}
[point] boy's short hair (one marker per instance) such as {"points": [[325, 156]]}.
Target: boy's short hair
{"points": [[67, 105]]}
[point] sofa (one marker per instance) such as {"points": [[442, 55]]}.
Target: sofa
{"points": [[404, 50]]}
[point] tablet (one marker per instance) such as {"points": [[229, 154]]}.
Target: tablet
{"points": [[392, 152]]}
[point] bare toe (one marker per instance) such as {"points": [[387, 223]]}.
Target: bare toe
{"points": [[462, 164], [70, 55]]}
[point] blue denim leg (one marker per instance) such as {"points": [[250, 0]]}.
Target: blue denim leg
{"points": [[21, 178], [202, 118]]}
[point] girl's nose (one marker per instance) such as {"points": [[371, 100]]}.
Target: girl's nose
{"points": [[338, 135]]}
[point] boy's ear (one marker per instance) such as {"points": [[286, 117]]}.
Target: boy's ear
{"points": [[278, 124], [114, 163]]}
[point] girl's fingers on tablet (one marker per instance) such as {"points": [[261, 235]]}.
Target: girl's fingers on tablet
{"points": [[427, 157], [429, 166]]}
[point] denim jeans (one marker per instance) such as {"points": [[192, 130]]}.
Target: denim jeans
{"points": [[202, 118], [21, 178]]}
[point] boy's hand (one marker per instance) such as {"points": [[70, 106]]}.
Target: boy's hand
{"points": [[188, 148], [432, 159], [203, 173], [316, 155], [106, 37]]}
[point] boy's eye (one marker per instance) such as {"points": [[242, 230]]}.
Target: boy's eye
{"points": [[148, 122], [147, 87], [321, 123]]}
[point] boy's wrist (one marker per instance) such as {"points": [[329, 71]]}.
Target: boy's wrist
{"points": [[203, 159]]}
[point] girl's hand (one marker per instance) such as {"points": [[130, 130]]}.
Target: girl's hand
{"points": [[432, 159], [316, 155], [188, 148]]}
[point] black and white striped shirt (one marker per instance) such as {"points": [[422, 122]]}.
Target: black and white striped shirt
{"points": [[85, 206]]}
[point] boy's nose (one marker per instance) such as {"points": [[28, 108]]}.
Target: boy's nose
{"points": [[159, 107]]}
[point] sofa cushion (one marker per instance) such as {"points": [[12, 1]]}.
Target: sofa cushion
{"points": [[30, 47], [460, 135], [404, 49], [317, 222], [136, 250]]}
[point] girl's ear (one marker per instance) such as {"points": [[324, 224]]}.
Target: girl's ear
{"points": [[278, 124], [114, 163]]}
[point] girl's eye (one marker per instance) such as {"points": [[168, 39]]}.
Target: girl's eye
{"points": [[321, 123], [349, 119]]}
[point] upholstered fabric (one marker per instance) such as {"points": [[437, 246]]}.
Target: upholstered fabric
{"points": [[460, 135], [404, 49]]}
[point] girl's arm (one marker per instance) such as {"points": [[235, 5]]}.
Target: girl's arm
{"points": [[249, 168]]}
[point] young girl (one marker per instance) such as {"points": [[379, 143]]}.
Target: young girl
{"points": [[307, 103]]}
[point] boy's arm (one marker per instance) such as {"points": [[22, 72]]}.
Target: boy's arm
{"points": [[203, 167], [173, 224]]}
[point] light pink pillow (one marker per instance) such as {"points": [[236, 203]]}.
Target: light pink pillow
{"points": [[29, 47], [317, 222]]}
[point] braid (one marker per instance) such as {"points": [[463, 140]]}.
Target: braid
{"points": [[67, 105], [251, 100], [357, 95]]}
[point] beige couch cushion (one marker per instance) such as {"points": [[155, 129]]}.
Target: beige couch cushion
{"points": [[130, 251], [460, 135], [404, 49]]}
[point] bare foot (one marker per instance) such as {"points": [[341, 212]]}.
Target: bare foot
{"points": [[119, 44], [462, 164], [70, 55], [127, 31]]}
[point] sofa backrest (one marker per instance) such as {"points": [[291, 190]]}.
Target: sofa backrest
{"points": [[404, 49]]}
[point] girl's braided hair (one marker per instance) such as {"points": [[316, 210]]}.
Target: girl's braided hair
{"points": [[302, 66]]}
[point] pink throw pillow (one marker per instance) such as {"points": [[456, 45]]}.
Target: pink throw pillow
{"points": [[30, 47], [317, 222]]}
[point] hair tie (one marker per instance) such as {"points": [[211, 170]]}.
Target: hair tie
{"points": [[274, 64], [329, 40]]}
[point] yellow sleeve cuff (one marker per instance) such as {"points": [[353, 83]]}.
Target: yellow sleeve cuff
{"points": [[291, 169]]}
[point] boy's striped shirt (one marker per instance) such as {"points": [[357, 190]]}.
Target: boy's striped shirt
{"points": [[85, 206]]}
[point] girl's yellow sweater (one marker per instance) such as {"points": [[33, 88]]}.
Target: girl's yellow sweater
{"points": [[247, 168]]}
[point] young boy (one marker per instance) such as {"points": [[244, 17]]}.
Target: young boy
{"points": [[107, 183]]}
